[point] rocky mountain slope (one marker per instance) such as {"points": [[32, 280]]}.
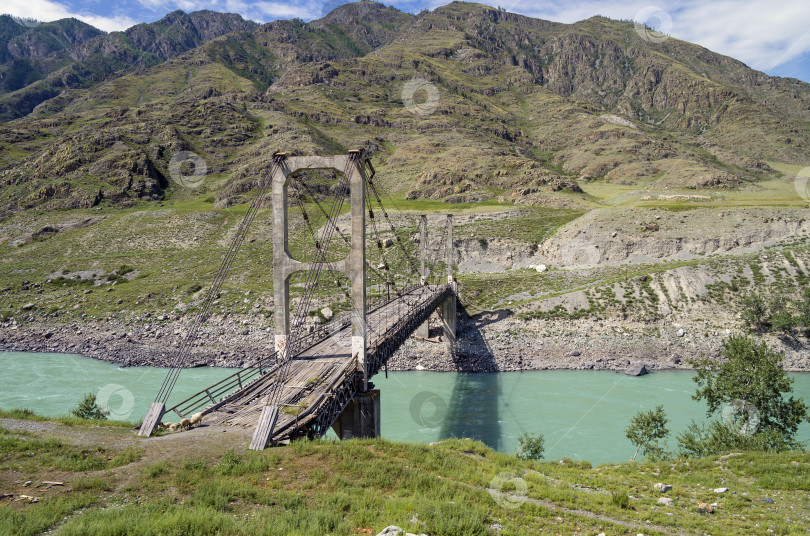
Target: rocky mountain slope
{"points": [[525, 110], [654, 180], [40, 62]]}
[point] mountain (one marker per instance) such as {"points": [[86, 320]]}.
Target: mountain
{"points": [[28, 53], [42, 61], [526, 111]]}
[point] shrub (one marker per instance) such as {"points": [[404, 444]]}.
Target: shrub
{"points": [[645, 430], [530, 447], [88, 408]]}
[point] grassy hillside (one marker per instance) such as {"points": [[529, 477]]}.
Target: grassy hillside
{"points": [[204, 482]]}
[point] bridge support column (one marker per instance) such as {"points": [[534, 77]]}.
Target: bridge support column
{"points": [[423, 331], [361, 418], [448, 310], [357, 273]]}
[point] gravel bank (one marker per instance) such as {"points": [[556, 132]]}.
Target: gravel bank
{"points": [[487, 343]]}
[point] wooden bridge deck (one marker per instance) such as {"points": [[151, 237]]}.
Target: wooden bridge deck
{"points": [[320, 381]]}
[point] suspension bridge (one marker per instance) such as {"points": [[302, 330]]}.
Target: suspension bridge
{"points": [[315, 380]]}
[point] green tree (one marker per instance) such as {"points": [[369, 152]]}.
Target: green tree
{"points": [[803, 309], [530, 447], [755, 313], [750, 380], [699, 441], [645, 430], [782, 319], [88, 408]]}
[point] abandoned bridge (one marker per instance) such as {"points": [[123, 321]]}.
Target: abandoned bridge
{"points": [[311, 381]]}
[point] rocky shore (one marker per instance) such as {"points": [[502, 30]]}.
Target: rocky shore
{"points": [[486, 343]]}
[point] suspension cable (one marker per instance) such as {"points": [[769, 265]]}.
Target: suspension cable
{"points": [[213, 290]]}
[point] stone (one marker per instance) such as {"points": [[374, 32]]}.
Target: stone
{"points": [[327, 313], [575, 353], [393, 530], [666, 501], [388, 242], [680, 332], [541, 268], [768, 500], [663, 488], [27, 306], [720, 490], [636, 369]]}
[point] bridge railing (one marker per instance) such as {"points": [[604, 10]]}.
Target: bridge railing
{"points": [[396, 334], [220, 393]]}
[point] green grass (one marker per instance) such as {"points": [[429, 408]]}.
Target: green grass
{"points": [[66, 420], [339, 488]]}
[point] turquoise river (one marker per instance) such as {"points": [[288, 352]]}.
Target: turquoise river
{"points": [[582, 414]]}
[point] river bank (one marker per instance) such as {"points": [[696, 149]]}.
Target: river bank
{"points": [[492, 342]]}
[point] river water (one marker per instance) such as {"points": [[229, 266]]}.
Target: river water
{"points": [[582, 414]]}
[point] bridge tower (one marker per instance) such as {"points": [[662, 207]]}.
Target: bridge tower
{"points": [[361, 417], [448, 309], [447, 313]]}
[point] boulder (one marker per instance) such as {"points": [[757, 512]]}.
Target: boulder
{"points": [[327, 313], [680, 332], [721, 490], [663, 488], [575, 353], [666, 501], [636, 369], [541, 268], [393, 530]]}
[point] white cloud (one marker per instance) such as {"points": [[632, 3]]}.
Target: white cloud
{"points": [[256, 10], [47, 11]]}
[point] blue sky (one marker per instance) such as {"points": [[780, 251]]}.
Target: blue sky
{"points": [[770, 36]]}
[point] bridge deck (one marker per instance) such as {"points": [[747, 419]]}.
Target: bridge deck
{"points": [[320, 380]]}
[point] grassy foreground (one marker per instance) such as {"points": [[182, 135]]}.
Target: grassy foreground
{"points": [[205, 482]]}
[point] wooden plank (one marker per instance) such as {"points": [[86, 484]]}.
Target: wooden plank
{"points": [[153, 416], [325, 361], [264, 428]]}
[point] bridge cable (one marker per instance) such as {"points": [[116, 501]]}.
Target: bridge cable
{"points": [[213, 290]]}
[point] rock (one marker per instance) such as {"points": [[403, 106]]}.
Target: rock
{"points": [[388, 242], [636, 369], [541, 268], [663, 488], [575, 353], [768, 500], [680, 332], [27, 307], [676, 360], [666, 501], [327, 313], [721, 490], [393, 530]]}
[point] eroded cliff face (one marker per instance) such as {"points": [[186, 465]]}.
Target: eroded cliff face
{"points": [[613, 237]]}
